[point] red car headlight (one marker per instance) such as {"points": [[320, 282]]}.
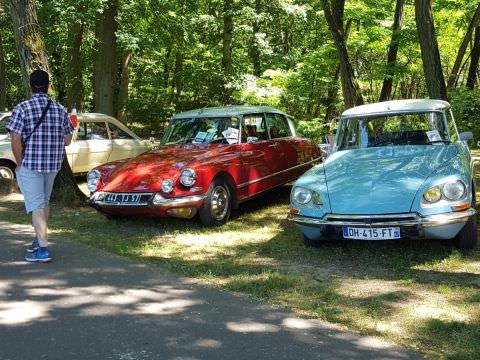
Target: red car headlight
{"points": [[188, 177]]}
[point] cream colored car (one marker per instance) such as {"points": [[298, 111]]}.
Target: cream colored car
{"points": [[98, 139]]}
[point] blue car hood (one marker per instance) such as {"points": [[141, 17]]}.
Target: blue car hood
{"points": [[382, 180]]}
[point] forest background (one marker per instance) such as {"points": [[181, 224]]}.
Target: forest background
{"points": [[144, 60]]}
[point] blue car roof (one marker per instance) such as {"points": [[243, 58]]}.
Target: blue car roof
{"points": [[226, 111], [396, 106]]}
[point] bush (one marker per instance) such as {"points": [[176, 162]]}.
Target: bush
{"points": [[315, 129], [466, 109]]}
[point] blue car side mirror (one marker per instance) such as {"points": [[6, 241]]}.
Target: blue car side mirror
{"points": [[467, 135]]}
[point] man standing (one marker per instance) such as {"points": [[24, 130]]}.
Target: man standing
{"points": [[39, 128]]}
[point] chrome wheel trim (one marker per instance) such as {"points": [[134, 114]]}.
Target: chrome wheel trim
{"points": [[219, 203], [6, 173]]}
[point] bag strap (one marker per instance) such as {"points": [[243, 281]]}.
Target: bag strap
{"points": [[39, 122]]}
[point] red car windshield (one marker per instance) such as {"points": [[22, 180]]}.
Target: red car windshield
{"points": [[202, 130]]}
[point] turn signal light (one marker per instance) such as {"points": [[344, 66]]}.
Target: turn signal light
{"points": [[294, 211], [461, 207]]}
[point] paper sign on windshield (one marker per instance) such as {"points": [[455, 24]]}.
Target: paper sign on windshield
{"points": [[231, 134], [200, 137], [434, 136]]}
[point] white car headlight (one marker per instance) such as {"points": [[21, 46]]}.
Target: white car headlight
{"points": [[167, 186], [93, 178], [188, 177], [301, 195], [454, 190]]}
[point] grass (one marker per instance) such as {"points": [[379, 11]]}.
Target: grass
{"points": [[424, 295]]}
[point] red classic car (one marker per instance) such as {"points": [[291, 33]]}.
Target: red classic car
{"points": [[209, 161]]}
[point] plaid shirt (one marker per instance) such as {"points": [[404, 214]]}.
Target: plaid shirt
{"points": [[44, 150]]}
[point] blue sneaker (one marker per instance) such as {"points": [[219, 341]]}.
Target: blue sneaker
{"points": [[34, 246], [42, 255]]}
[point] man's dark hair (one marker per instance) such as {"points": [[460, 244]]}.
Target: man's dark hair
{"points": [[39, 81]]}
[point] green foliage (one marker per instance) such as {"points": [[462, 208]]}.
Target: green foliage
{"points": [[282, 52], [466, 109], [314, 129]]}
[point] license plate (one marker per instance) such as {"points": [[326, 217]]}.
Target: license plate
{"points": [[122, 198], [371, 233]]}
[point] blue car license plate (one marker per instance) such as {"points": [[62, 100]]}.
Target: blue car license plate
{"points": [[359, 233]]}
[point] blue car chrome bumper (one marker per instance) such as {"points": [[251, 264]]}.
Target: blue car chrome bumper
{"points": [[439, 226]]}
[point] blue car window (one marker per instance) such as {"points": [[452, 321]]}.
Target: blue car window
{"points": [[391, 130]]}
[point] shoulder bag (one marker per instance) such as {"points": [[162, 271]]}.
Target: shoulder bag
{"points": [[39, 122]]}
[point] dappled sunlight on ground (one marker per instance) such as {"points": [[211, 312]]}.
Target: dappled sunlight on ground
{"points": [[390, 289]]}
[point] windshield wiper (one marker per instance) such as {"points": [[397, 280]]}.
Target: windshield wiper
{"points": [[439, 141]]}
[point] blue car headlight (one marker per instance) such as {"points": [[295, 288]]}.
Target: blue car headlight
{"points": [[450, 191], [303, 197], [455, 190]]}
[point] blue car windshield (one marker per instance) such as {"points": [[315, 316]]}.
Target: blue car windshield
{"points": [[202, 130], [392, 130]]}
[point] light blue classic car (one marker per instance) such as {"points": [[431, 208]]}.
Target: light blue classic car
{"points": [[398, 169]]}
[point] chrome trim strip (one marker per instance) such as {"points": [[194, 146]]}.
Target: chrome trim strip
{"points": [[240, 186], [163, 202], [181, 201], [373, 217], [426, 221]]}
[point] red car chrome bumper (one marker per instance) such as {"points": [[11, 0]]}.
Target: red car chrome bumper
{"points": [[145, 204]]}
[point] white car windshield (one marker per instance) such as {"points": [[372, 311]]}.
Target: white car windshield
{"points": [[392, 130], [202, 130], [3, 125]]}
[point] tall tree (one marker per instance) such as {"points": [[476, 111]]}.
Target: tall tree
{"points": [[123, 87], [331, 111], [74, 71], [105, 64], [227, 35], [452, 79], [334, 15], [33, 55], [386, 91], [474, 60], [254, 48], [227, 46], [432, 67], [29, 41]]}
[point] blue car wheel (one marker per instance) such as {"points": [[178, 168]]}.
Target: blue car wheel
{"points": [[467, 237], [310, 242]]}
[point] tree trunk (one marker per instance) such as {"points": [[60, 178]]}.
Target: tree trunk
{"points": [[166, 68], [3, 78], [29, 41], [332, 94], [33, 55], [334, 16], [432, 66], [227, 36], [386, 92], [123, 88], [254, 50], [178, 76], [475, 57], [105, 64], [452, 79], [74, 74], [65, 188]]}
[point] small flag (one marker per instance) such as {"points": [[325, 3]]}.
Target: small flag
{"points": [[73, 116]]}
